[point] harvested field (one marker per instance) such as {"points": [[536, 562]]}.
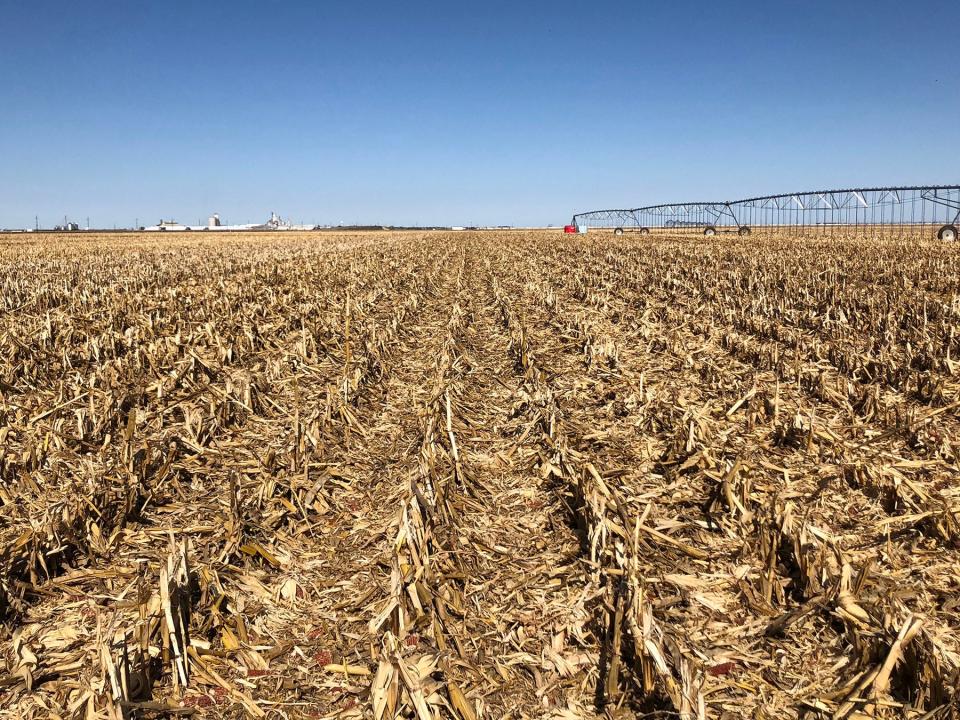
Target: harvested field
{"points": [[478, 475]]}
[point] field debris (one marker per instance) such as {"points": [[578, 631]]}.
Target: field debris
{"points": [[479, 475]]}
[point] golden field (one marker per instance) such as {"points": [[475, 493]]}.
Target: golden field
{"points": [[478, 475]]}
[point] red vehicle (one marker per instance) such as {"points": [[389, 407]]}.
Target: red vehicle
{"points": [[569, 228]]}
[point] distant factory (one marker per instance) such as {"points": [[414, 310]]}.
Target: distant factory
{"points": [[213, 224]]}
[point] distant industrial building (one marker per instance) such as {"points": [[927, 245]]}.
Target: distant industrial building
{"points": [[213, 223]]}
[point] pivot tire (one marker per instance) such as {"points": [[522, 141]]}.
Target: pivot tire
{"points": [[644, 231], [744, 230], [947, 232], [618, 231], [709, 231]]}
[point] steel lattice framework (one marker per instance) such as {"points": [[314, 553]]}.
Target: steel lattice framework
{"points": [[903, 211]]}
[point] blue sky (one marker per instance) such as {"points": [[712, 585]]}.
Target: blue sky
{"points": [[462, 113]]}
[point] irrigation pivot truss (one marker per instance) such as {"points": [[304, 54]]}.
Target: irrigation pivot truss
{"points": [[916, 211]]}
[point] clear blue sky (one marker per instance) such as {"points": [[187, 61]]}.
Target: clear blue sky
{"points": [[462, 113]]}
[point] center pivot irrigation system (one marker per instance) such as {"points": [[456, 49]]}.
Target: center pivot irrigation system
{"points": [[902, 211]]}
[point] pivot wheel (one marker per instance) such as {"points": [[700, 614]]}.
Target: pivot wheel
{"points": [[744, 230], [709, 230], [618, 231], [947, 232], [644, 231]]}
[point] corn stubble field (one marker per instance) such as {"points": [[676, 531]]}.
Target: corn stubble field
{"points": [[488, 475]]}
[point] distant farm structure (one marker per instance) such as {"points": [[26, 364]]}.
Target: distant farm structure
{"points": [[214, 224]]}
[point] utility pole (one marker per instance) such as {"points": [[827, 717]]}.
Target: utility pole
{"points": [[88, 222], [36, 220]]}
